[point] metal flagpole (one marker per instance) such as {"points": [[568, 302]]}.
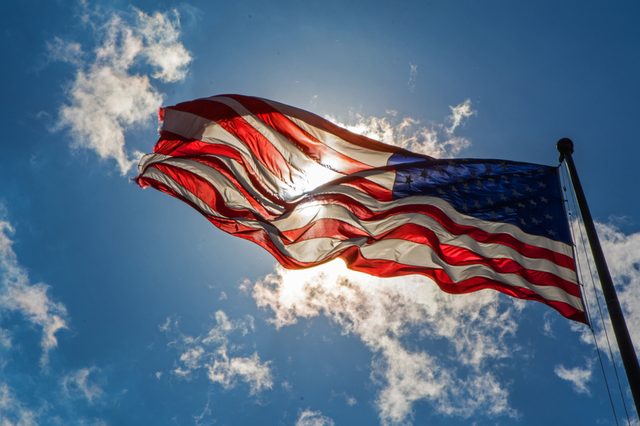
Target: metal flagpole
{"points": [[629, 358]]}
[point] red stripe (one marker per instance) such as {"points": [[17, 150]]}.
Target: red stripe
{"points": [[229, 120], [369, 187], [312, 147]]}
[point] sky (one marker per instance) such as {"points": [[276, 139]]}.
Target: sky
{"points": [[122, 306]]}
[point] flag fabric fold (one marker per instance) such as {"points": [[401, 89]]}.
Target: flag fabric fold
{"points": [[309, 191]]}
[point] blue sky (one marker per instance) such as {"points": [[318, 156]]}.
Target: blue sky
{"points": [[122, 306]]}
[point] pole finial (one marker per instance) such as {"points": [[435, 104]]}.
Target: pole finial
{"points": [[565, 147]]}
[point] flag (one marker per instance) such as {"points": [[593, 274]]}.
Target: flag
{"points": [[309, 191]]}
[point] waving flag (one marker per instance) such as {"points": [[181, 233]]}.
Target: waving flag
{"points": [[309, 191]]}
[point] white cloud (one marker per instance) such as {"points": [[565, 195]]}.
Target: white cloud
{"points": [[64, 51], [211, 352], [579, 377], [107, 96], [622, 252], [547, 325], [228, 370], [413, 74], [313, 418], [459, 114], [348, 399], [163, 50], [12, 411], [383, 313], [436, 140], [623, 257], [18, 294], [79, 384], [5, 338]]}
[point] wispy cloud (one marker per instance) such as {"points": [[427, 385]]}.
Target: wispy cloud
{"points": [[413, 74], [459, 114], [579, 377], [107, 96], [313, 418], [435, 139], [5, 338], [19, 294], [65, 51], [383, 313], [79, 384], [228, 370], [12, 411], [213, 353]]}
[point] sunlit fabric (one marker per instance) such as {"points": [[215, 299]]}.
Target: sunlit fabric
{"points": [[309, 191]]}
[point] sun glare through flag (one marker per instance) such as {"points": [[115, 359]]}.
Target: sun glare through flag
{"points": [[309, 191]]}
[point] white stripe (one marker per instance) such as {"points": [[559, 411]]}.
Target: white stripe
{"points": [[364, 155], [384, 178]]}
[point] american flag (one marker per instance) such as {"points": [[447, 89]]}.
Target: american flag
{"points": [[309, 191]]}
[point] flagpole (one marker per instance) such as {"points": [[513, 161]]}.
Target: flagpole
{"points": [[627, 352]]}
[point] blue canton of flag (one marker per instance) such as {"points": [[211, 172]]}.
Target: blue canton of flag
{"points": [[523, 194]]}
